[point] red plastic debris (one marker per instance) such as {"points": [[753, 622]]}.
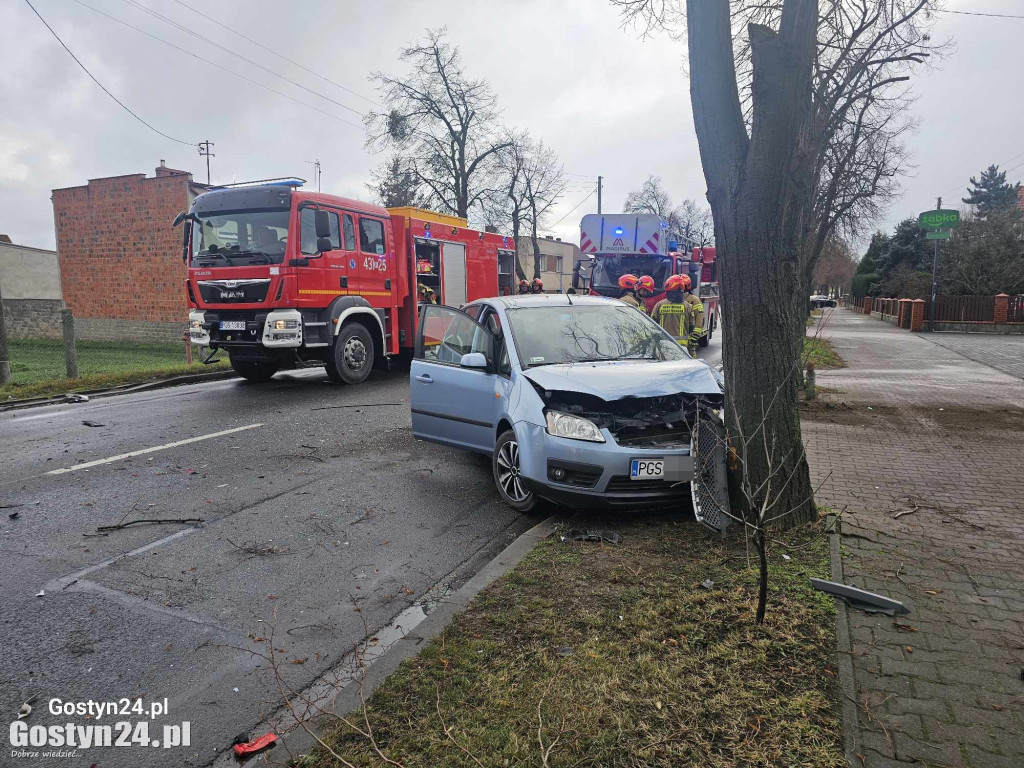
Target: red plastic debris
{"points": [[264, 741]]}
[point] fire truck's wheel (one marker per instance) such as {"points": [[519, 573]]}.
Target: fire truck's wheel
{"points": [[254, 370], [351, 359]]}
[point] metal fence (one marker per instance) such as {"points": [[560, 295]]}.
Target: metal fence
{"points": [[962, 309]]}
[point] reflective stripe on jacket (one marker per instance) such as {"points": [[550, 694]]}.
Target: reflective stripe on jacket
{"points": [[671, 317]]}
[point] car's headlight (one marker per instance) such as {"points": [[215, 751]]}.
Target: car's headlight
{"points": [[196, 319], [573, 427]]}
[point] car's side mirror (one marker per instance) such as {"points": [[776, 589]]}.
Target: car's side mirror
{"points": [[179, 218], [474, 360]]}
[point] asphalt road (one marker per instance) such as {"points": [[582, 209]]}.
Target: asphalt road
{"points": [[314, 499]]}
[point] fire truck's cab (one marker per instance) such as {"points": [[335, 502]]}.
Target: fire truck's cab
{"points": [[280, 277]]}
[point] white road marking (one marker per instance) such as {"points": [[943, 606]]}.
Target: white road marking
{"points": [[143, 451]]}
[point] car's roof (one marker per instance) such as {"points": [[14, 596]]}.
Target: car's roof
{"points": [[548, 300]]}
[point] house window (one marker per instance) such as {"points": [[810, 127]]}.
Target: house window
{"points": [[551, 264]]}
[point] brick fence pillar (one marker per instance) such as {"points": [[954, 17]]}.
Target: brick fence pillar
{"points": [[867, 305], [1000, 309], [917, 315]]}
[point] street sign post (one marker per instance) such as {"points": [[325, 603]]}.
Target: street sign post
{"points": [[937, 225]]}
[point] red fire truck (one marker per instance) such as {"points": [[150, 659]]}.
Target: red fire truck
{"points": [[280, 277], [640, 244]]}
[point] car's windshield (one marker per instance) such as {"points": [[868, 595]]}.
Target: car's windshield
{"points": [[608, 269], [585, 333], [239, 238]]}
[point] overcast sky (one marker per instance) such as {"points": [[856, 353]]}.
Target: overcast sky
{"points": [[607, 101]]}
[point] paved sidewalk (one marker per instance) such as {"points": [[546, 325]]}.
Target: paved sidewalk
{"points": [[944, 437], [1004, 352]]}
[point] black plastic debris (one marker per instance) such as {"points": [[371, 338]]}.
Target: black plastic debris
{"points": [[612, 537], [868, 602], [93, 424]]}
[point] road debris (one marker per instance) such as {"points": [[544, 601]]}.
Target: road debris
{"points": [[869, 602], [612, 537], [244, 749], [88, 423], [41, 593], [13, 516], [154, 521], [75, 398], [26, 708], [707, 583], [565, 650], [259, 550], [786, 557]]}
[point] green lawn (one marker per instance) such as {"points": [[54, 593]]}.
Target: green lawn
{"points": [[38, 368], [821, 352], [603, 655]]}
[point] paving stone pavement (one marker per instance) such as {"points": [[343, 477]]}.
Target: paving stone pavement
{"points": [[944, 437], [1004, 352]]}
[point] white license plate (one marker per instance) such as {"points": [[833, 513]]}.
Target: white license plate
{"points": [[646, 469], [232, 325]]}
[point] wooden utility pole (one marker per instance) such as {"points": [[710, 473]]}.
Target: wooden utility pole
{"points": [[204, 151]]}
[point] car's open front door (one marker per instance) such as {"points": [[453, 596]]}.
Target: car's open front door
{"points": [[452, 381]]}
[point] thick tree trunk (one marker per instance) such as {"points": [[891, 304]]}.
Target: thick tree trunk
{"points": [[760, 191], [516, 229]]}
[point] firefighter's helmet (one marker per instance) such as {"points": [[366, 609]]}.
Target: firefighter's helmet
{"points": [[678, 283], [537, 286], [645, 285], [628, 282], [424, 267], [524, 287]]}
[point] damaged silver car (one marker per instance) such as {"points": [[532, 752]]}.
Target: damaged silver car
{"points": [[579, 400]]}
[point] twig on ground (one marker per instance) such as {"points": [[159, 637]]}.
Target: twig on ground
{"points": [[448, 732], [153, 521], [258, 551], [901, 513]]}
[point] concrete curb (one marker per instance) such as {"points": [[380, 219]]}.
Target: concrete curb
{"points": [[191, 378], [844, 645], [299, 743]]}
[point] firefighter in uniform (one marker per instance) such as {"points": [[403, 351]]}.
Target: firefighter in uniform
{"points": [[694, 317], [537, 286], [627, 295], [644, 289], [670, 312], [524, 287]]}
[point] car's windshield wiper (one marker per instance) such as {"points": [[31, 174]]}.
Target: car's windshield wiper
{"points": [[267, 258], [213, 255]]}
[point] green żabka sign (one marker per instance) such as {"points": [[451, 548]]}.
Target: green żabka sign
{"points": [[941, 219]]}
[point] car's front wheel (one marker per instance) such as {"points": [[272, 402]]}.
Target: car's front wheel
{"points": [[508, 476]]}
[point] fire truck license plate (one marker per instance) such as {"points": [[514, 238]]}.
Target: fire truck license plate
{"points": [[232, 325], [647, 469]]}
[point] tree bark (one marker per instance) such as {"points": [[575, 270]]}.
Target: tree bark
{"points": [[760, 190]]}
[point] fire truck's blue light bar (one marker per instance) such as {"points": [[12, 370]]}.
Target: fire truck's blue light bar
{"points": [[289, 181]]}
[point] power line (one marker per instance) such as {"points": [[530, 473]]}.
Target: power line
{"points": [[103, 87], [978, 13], [215, 64], [1007, 170], [279, 55], [237, 55], [581, 202]]}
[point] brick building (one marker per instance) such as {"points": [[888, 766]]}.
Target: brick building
{"points": [[120, 259]]}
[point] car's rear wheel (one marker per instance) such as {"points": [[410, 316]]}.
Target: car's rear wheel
{"points": [[507, 474], [255, 370]]}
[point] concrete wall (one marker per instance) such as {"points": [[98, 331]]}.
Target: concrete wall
{"points": [[1002, 328], [30, 284]]}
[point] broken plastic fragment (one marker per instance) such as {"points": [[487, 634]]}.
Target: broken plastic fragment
{"points": [[252, 747], [707, 583]]}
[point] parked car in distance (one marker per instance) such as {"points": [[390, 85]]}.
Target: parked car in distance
{"points": [[820, 300], [577, 399]]}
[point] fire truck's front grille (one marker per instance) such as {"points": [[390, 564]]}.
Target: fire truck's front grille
{"points": [[234, 291]]}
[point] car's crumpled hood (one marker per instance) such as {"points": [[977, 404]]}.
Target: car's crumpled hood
{"points": [[619, 379]]}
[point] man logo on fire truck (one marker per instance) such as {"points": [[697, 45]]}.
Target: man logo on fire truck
{"points": [[296, 279]]}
